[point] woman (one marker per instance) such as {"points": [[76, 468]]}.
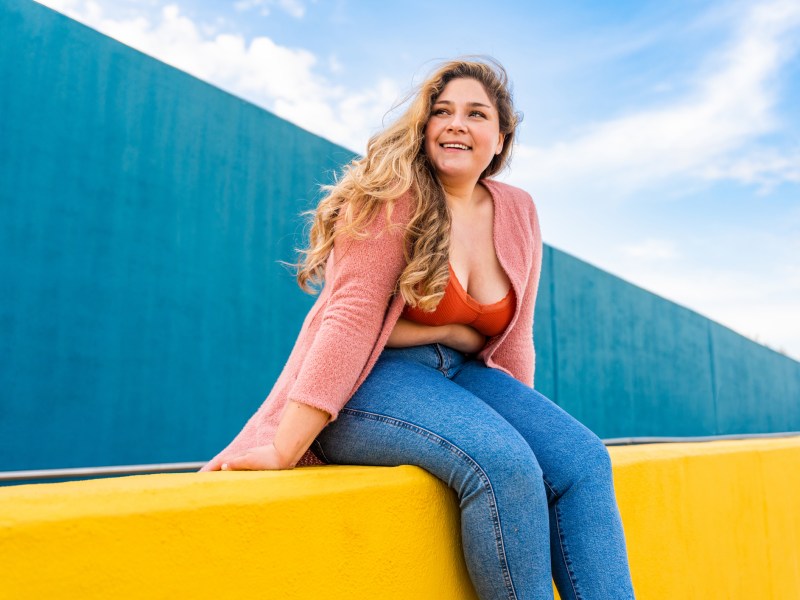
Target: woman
{"points": [[419, 349]]}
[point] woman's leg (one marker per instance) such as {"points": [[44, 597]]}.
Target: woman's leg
{"points": [[409, 412], [589, 558]]}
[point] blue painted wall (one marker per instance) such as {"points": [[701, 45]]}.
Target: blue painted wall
{"points": [[629, 363], [143, 213], [144, 314]]}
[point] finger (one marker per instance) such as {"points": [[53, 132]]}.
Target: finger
{"points": [[213, 465], [242, 462]]}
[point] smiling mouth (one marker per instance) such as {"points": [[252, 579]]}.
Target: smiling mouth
{"points": [[456, 146]]}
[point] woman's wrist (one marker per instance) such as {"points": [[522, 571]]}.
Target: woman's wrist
{"points": [[284, 460], [298, 427], [447, 335], [408, 333], [463, 338]]}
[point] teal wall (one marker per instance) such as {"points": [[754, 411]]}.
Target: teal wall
{"points": [[629, 363], [143, 312], [144, 315]]}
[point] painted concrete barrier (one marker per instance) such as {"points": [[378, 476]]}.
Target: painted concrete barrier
{"points": [[702, 520], [713, 520]]}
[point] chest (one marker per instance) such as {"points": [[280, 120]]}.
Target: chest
{"points": [[473, 256]]}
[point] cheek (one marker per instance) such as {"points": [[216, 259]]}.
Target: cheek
{"points": [[430, 140], [492, 140]]}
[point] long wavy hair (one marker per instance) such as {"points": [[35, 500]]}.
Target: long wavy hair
{"points": [[395, 163]]}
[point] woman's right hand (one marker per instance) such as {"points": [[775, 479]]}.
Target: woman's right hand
{"points": [[463, 338], [260, 458]]}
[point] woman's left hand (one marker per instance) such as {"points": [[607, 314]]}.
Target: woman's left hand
{"points": [[260, 458]]}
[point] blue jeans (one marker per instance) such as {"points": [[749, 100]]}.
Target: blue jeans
{"points": [[533, 484]]}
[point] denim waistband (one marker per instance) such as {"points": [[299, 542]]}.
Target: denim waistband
{"points": [[437, 356]]}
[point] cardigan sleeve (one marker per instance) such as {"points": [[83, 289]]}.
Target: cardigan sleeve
{"points": [[363, 281], [516, 354]]}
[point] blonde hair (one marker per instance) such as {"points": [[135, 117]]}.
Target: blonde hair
{"points": [[395, 163]]}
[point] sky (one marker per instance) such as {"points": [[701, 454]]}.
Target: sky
{"points": [[660, 140]]}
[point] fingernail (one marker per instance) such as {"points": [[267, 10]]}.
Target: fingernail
{"points": [[224, 466]]}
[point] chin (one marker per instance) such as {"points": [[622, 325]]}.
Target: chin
{"points": [[456, 174]]}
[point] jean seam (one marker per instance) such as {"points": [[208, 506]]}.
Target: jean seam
{"points": [[455, 449], [441, 368], [458, 366], [565, 554], [552, 489]]}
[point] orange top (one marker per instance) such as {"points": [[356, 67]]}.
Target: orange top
{"points": [[457, 306]]}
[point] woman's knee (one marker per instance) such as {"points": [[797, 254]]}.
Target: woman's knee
{"points": [[590, 459], [599, 456], [493, 461]]}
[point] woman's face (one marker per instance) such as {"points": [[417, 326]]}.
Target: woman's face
{"points": [[463, 132]]}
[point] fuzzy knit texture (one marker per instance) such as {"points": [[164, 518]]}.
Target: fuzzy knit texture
{"points": [[349, 324]]}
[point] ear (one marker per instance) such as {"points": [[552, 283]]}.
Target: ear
{"points": [[500, 143]]}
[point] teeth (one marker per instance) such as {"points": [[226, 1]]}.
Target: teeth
{"points": [[459, 146]]}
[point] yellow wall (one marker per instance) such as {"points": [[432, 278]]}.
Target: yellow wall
{"points": [[712, 520], [706, 520]]}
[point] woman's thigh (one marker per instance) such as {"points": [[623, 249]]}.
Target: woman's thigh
{"points": [[564, 447], [408, 412]]}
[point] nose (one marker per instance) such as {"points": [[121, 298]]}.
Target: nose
{"points": [[456, 123]]}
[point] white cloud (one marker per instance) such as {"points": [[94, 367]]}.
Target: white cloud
{"points": [[588, 185], [651, 249], [731, 104], [695, 137], [762, 306], [294, 8], [245, 5], [764, 168], [351, 118], [334, 65], [282, 79]]}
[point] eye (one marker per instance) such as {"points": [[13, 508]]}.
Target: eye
{"points": [[439, 111], [477, 113]]}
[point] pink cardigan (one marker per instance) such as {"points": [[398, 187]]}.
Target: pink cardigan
{"points": [[347, 328]]}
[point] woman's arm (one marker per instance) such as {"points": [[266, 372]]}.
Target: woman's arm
{"points": [[358, 290], [301, 423], [460, 337], [299, 426]]}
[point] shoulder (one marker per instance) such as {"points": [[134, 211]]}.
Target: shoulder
{"points": [[403, 208], [388, 216], [392, 218], [509, 196], [513, 201]]}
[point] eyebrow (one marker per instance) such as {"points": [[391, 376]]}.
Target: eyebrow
{"points": [[469, 103]]}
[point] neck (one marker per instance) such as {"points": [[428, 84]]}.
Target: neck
{"points": [[461, 194]]}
